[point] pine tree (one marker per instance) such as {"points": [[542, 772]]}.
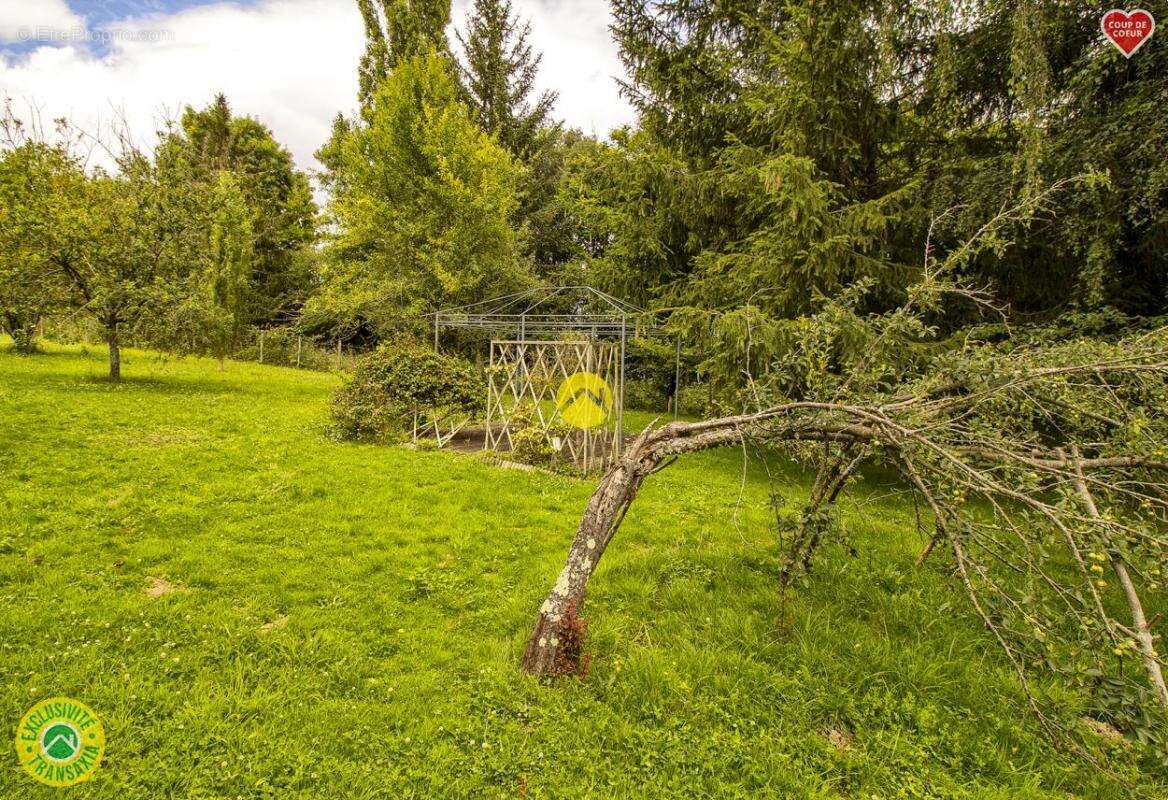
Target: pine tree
{"points": [[499, 69]]}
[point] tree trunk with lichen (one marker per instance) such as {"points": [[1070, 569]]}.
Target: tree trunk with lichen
{"points": [[556, 644]]}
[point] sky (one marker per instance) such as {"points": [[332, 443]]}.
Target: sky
{"points": [[292, 64]]}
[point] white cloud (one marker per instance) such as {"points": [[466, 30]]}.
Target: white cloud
{"points": [[20, 20], [292, 64]]}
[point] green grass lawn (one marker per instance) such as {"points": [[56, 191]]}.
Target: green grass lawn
{"points": [[348, 619]]}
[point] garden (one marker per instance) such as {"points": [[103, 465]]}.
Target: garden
{"points": [[256, 609], [754, 399]]}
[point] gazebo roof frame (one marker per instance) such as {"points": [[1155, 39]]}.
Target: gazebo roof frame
{"points": [[518, 317], [598, 313]]}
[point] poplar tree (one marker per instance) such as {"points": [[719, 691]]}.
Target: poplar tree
{"points": [[396, 30]]}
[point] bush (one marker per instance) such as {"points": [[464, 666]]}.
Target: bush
{"points": [[398, 381], [694, 399], [531, 443], [23, 334], [645, 395]]}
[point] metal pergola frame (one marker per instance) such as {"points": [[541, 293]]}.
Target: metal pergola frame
{"points": [[548, 312]]}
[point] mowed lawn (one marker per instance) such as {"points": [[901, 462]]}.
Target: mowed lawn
{"points": [[345, 621]]}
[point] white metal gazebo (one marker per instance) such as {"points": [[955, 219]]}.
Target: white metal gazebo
{"points": [[557, 358]]}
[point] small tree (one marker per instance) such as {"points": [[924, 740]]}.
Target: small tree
{"points": [[230, 257], [37, 181], [131, 240]]}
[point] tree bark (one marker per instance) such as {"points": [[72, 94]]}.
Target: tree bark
{"points": [[830, 480], [1143, 633], [556, 645], [115, 351]]}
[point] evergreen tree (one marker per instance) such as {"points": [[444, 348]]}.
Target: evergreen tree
{"points": [[742, 106], [499, 70]]}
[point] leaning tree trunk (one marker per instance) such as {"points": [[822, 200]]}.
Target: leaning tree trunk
{"points": [[556, 643], [555, 646]]}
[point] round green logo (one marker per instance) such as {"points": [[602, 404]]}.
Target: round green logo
{"points": [[60, 741]]}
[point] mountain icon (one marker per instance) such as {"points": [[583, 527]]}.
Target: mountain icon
{"points": [[61, 742]]}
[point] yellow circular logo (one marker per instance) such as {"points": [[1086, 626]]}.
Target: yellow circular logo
{"points": [[60, 741], [584, 400]]}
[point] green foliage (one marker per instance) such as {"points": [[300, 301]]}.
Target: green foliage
{"points": [[694, 399], [37, 185], [422, 203], [396, 31], [618, 207], [532, 442], [644, 394], [790, 156], [399, 386], [131, 241], [499, 69], [279, 209], [212, 311]]}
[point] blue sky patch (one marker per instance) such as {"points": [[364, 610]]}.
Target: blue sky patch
{"points": [[99, 15]]}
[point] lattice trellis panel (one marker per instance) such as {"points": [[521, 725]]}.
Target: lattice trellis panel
{"points": [[527, 375]]}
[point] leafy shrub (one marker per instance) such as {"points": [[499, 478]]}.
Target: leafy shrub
{"points": [[530, 444], [23, 335], [694, 399], [395, 383], [644, 395]]}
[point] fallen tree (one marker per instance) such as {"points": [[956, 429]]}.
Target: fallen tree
{"points": [[1039, 458], [1040, 468]]}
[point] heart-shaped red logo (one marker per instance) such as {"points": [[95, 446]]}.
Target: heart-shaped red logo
{"points": [[1128, 30]]}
